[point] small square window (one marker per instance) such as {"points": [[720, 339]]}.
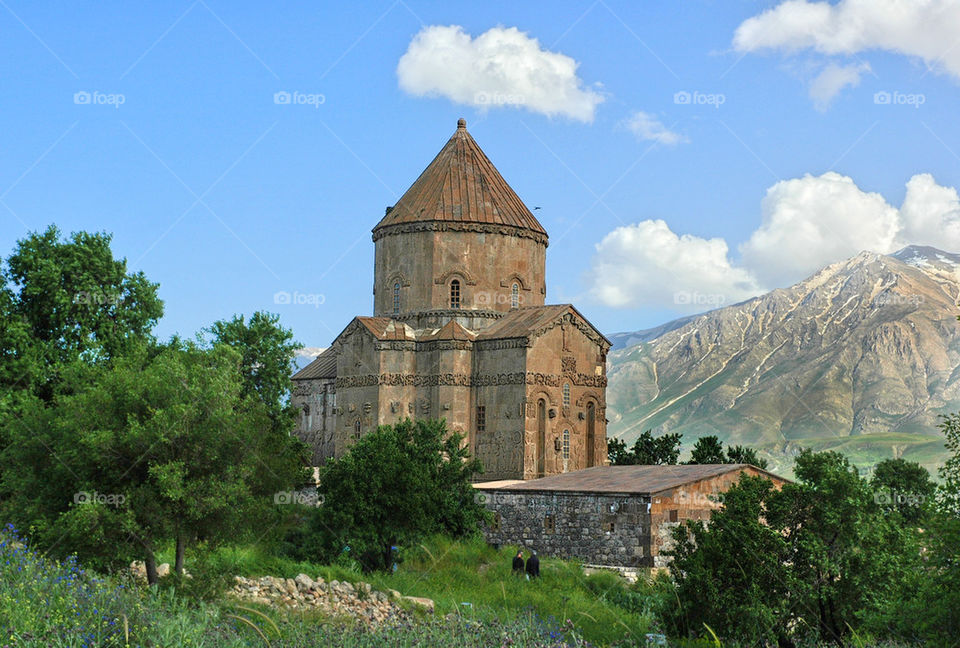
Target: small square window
{"points": [[548, 524], [674, 515]]}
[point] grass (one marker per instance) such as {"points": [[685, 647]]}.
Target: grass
{"points": [[473, 581], [479, 603]]}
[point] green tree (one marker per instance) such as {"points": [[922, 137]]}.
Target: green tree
{"points": [[811, 561], [392, 488], [67, 300], [903, 487], [707, 450], [732, 575], [266, 352], [151, 449], [646, 450], [742, 454]]}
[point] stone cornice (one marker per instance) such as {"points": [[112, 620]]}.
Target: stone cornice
{"points": [[454, 226], [468, 380]]}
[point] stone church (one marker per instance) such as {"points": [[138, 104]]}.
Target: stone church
{"points": [[460, 331]]}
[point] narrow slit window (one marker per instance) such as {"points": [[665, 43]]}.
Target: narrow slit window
{"points": [[566, 394], [566, 444], [481, 418], [396, 298], [515, 296]]}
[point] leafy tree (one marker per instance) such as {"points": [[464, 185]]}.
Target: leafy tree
{"points": [[67, 300], [742, 454], [153, 448], [392, 488], [646, 450], [903, 487], [266, 359], [708, 450], [732, 575], [811, 561]]}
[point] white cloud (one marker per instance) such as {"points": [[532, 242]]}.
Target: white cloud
{"points": [[931, 214], [810, 222], [647, 127], [923, 29], [832, 80], [502, 67], [309, 352], [647, 263], [806, 224]]}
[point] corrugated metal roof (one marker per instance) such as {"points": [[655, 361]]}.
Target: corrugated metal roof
{"points": [[461, 185], [323, 366], [642, 480]]}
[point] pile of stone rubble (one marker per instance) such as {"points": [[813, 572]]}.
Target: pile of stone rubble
{"points": [[359, 601]]}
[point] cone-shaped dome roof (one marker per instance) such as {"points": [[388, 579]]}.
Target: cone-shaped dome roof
{"points": [[461, 185]]}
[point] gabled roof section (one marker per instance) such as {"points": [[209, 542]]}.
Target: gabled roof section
{"points": [[323, 366], [452, 330], [461, 185], [637, 480], [384, 328], [529, 320]]}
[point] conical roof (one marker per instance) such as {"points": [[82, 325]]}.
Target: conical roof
{"points": [[461, 185]]}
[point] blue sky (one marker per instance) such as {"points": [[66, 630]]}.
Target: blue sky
{"points": [[795, 149]]}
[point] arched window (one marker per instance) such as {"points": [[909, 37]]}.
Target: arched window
{"points": [[455, 293], [591, 433], [515, 296], [566, 444], [356, 429], [566, 394], [396, 298], [541, 436]]}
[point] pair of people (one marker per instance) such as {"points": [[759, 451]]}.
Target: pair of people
{"points": [[532, 566]]}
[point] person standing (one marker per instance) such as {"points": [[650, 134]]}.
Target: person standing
{"points": [[533, 566], [518, 563]]}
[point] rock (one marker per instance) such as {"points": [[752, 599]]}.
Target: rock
{"points": [[163, 570], [423, 603], [304, 582], [394, 595]]}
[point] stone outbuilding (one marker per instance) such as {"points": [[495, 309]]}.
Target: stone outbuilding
{"points": [[461, 331], [618, 516]]}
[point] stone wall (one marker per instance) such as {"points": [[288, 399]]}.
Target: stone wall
{"points": [[316, 401], [594, 528]]}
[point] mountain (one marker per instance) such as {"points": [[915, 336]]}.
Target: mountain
{"points": [[861, 357]]}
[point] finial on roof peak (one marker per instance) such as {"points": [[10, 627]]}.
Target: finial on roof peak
{"points": [[461, 123]]}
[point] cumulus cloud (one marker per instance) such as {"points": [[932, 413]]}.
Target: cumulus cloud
{"points": [[810, 222], [647, 127], [647, 263], [832, 80], [805, 224], [923, 29], [502, 67]]}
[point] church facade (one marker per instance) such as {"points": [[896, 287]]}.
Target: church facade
{"points": [[460, 331]]}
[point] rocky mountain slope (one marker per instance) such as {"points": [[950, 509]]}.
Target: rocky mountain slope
{"points": [[860, 357]]}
